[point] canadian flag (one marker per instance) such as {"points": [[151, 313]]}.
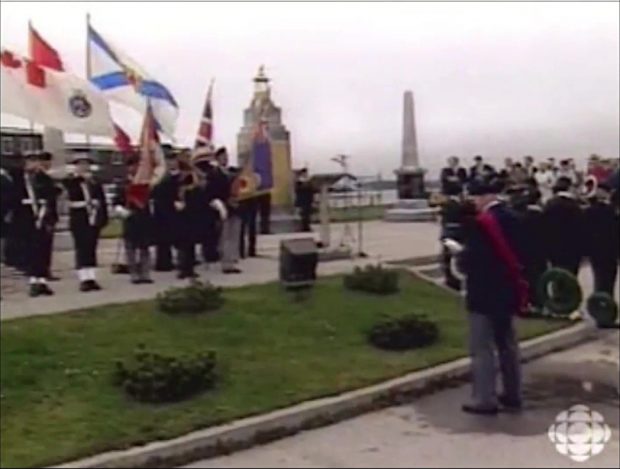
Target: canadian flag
{"points": [[52, 98]]}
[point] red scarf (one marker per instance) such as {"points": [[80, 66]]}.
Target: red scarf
{"points": [[509, 258]]}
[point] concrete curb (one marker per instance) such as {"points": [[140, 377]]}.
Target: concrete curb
{"points": [[262, 429]]}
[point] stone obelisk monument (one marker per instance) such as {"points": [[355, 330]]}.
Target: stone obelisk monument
{"points": [[412, 198]]}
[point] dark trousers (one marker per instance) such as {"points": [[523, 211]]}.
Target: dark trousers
{"points": [[570, 263], [605, 270], [248, 230], [450, 279], [305, 212], [138, 260], [38, 252], [211, 241], [163, 257], [187, 257], [264, 209], [49, 249], [533, 272], [85, 241]]}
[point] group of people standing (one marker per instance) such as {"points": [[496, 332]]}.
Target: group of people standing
{"points": [[500, 235], [195, 203]]}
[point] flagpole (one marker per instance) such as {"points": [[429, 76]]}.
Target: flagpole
{"points": [[30, 122], [88, 64]]}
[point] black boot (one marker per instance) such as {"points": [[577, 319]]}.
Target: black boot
{"points": [[84, 286], [35, 290], [94, 285], [45, 290]]}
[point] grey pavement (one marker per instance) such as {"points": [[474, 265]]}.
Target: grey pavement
{"points": [[433, 432], [382, 242]]}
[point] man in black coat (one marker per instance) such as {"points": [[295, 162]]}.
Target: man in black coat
{"points": [[248, 211], [527, 207], [602, 236], [453, 177], [564, 228], [165, 215], [7, 205], [88, 214], [491, 261], [304, 199], [34, 218]]}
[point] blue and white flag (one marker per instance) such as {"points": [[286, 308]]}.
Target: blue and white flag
{"points": [[121, 79]]}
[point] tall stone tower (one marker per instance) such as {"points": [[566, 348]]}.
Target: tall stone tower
{"points": [[262, 107]]}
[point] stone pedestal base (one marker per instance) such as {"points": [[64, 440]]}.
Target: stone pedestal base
{"points": [[283, 221], [335, 253], [411, 210], [410, 183]]}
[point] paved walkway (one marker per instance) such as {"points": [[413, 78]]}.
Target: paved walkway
{"points": [[382, 242], [433, 432]]}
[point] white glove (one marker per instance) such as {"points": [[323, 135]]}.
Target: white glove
{"points": [[218, 205], [121, 211], [453, 246], [178, 205]]}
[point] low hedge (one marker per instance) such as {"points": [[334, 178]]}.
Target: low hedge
{"points": [[406, 333], [153, 377], [373, 279], [195, 298]]}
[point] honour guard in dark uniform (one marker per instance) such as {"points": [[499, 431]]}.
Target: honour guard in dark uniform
{"points": [[248, 210], [33, 220], [135, 210], [88, 214], [46, 165], [602, 237], [563, 228], [304, 199], [7, 206], [165, 214]]}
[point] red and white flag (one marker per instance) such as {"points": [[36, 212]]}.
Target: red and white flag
{"points": [[51, 97], [205, 129]]}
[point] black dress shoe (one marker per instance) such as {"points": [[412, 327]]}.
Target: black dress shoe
{"points": [[472, 409], [232, 270], [52, 278], [94, 285], [45, 290], [136, 281], [509, 404], [35, 290], [84, 286], [145, 281]]}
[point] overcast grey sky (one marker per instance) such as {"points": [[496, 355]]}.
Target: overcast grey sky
{"points": [[496, 79]]}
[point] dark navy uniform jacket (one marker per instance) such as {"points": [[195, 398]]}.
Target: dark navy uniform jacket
{"points": [[489, 288]]}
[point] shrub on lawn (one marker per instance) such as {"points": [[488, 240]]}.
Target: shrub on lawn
{"points": [[153, 377], [195, 298], [409, 332], [373, 279]]}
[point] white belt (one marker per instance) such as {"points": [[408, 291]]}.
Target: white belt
{"points": [[30, 202], [78, 204]]}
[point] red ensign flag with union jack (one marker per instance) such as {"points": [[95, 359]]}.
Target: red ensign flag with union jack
{"points": [[205, 129]]}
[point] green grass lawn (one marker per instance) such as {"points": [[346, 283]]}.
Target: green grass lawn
{"points": [[58, 403]]}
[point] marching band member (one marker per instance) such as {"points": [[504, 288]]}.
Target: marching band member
{"points": [[88, 214], [33, 220], [453, 177]]}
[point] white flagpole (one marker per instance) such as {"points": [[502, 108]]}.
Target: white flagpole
{"points": [[88, 64]]}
